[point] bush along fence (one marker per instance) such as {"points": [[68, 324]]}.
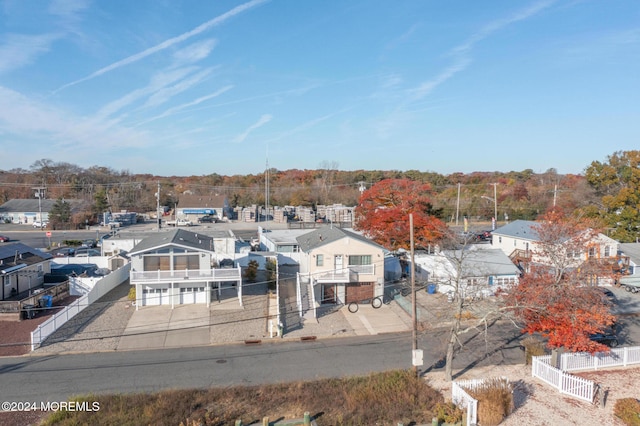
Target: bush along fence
{"points": [[461, 390], [578, 387], [101, 288]]}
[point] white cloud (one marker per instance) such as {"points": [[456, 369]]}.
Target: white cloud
{"points": [[195, 52], [261, 122], [20, 50], [461, 52], [67, 9], [197, 101], [168, 43], [36, 121]]}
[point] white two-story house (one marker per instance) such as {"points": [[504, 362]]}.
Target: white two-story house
{"points": [[175, 267], [338, 266], [520, 241]]}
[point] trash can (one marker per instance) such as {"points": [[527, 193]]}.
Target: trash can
{"points": [[49, 300], [431, 288], [28, 311], [42, 302]]}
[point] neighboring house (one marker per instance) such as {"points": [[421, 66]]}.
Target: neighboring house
{"points": [[193, 207], [21, 268], [631, 252], [284, 242], [519, 238], [175, 267], [482, 271], [27, 211], [338, 266]]}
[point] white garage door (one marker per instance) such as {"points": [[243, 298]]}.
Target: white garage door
{"points": [[154, 296], [192, 295]]}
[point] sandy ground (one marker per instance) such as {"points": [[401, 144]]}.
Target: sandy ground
{"points": [[540, 404]]}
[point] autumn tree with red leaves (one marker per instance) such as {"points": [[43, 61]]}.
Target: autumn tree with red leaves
{"points": [[383, 214], [558, 297]]}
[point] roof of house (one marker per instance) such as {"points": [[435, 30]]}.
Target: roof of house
{"points": [[12, 254], [478, 263], [175, 237], [523, 229], [32, 205], [329, 234], [201, 201], [632, 250]]}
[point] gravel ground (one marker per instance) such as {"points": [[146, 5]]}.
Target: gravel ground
{"points": [[539, 404], [97, 328]]}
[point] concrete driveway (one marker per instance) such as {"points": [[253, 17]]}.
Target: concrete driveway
{"points": [[153, 327]]}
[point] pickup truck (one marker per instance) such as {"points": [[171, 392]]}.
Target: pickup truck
{"points": [[179, 222], [631, 284]]}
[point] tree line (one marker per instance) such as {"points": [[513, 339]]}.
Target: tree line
{"points": [[608, 190]]}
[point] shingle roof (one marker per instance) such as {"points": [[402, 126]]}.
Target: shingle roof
{"points": [[31, 205], [179, 237], [326, 235], [632, 250], [523, 229], [202, 201], [30, 255]]}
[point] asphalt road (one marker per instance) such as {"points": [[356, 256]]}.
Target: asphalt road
{"points": [[57, 377]]}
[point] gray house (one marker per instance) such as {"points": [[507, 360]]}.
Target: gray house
{"points": [[27, 211], [176, 267], [21, 269]]}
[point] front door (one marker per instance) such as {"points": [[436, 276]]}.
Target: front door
{"points": [[337, 263], [328, 294]]}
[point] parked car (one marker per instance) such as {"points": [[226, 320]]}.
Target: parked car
{"points": [[89, 243], [64, 252], [4, 239], [607, 337], [40, 224], [86, 252], [206, 219]]}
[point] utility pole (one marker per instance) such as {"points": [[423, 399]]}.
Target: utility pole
{"points": [[158, 208], [555, 194], [39, 194], [415, 354], [495, 201], [458, 205]]}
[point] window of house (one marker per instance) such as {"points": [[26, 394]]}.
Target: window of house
{"points": [[607, 251], [355, 260], [155, 263], [184, 261], [592, 252], [319, 260]]}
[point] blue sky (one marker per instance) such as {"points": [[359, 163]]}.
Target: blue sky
{"points": [[193, 87]]}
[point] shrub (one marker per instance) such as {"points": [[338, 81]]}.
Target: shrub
{"points": [[132, 294], [628, 410], [448, 412], [532, 347], [495, 401], [72, 243], [251, 272]]}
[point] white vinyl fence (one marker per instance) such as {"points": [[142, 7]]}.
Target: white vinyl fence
{"points": [[576, 386], [101, 288]]}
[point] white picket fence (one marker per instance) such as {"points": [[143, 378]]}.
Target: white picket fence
{"points": [[578, 387], [462, 399], [101, 288]]}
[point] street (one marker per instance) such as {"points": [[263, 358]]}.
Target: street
{"points": [[57, 377]]}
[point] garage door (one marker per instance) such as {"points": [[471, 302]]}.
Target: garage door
{"points": [[357, 292], [189, 295], [154, 296]]}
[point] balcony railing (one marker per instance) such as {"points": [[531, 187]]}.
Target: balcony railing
{"points": [[347, 275], [218, 274]]}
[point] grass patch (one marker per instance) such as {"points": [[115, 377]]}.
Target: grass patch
{"points": [[381, 398], [628, 410]]}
